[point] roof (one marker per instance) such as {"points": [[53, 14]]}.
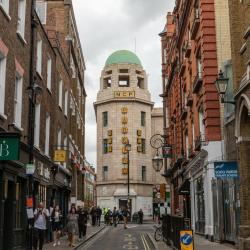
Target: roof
{"points": [[123, 56]]}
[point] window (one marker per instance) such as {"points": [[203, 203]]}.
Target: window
{"points": [[123, 81], [2, 82], [105, 173], [59, 138], [47, 135], [123, 70], [105, 118], [186, 142], [193, 134], [143, 118], [107, 82], [39, 55], [199, 67], [18, 101], [49, 65], [201, 122], [143, 173], [105, 146], [66, 102], [60, 86], [41, 10], [140, 82], [37, 125], [143, 146], [21, 17], [5, 5]]}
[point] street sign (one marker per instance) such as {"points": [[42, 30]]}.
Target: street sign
{"points": [[226, 169], [60, 155], [166, 151], [30, 169], [186, 240], [9, 146]]}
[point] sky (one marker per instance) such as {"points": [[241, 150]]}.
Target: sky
{"points": [[105, 26]]}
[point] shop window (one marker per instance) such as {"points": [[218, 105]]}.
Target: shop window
{"points": [[105, 173], [123, 81], [105, 146], [105, 118]]}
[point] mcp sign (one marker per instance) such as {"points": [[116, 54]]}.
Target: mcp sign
{"points": [[9, 146]]}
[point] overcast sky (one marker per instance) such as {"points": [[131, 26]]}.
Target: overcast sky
{"points": [[109, 25]]}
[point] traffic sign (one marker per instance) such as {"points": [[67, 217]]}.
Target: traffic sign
{"points": [[186, 240]]}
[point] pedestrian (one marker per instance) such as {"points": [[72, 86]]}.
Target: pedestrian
{"points": [[105, 212], [82, 222], [93, 215], [72, 226], [120, 217], [98, 216], [56, 218], [140, 214], [125, 214], [41, 215], [114, 215]]}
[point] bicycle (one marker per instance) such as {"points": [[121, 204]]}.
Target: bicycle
{"points": [[158, 235]]}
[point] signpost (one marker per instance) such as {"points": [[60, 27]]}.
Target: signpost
{"points": [[186, 240], [9, 146], [226, 169], [166, 151]]}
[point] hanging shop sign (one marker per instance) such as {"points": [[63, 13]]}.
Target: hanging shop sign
{"points": [[30, 169], [166, 151], [59, 155], [9, 146], [186, 240], [226, 169], [124, 94]]}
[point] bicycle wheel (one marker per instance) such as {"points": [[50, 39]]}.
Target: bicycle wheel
{"points": [[158, 234]]}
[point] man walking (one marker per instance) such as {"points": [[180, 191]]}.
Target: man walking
{"points": [[140, 214], [82, 222], [98, 216], [40, 216], [125, 214], [115, 214]]}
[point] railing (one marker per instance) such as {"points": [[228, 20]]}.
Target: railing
{"points": [[195, 23], [198, 142]]}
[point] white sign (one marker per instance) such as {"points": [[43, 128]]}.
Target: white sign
{"points": [[30, 169]]}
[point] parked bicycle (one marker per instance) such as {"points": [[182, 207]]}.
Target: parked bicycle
{"points": [[158, 235]]}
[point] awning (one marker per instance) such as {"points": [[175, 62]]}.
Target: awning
{"points": [[184, 189]]}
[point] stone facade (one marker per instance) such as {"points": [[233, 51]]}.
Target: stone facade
{"points": [[125, 112]]}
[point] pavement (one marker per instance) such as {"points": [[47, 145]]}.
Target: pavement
{"points": [[91, 232]]}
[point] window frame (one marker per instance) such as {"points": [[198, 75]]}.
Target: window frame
{"points": [[49, 73], [3, 61], [60, 93], [21, 18], [37, 125], [18, 100], [105, 119], [104, 173], [143, 146], [66, 100], [143, 118], [47, 135], [144, 173], [39, 55], [105, 145]]}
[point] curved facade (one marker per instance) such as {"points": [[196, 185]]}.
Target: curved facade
{"points": [[123, 112]]}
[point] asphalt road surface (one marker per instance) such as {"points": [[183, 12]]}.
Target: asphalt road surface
{"points": [[111, 238]]}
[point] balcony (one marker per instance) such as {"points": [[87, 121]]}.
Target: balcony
{"points": [[195, 24], [189, 101], [199, 142], [184, 113], [191, 153], [197, 83]]}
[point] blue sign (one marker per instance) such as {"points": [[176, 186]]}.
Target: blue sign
{"points": [[186, 239], [226, 169]]}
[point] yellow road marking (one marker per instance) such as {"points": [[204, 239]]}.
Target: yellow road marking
{"points": [[145, 243]]}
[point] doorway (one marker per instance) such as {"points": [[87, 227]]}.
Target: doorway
{"points": [[8, 215]]}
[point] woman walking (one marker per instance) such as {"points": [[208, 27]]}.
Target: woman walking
{"points": [[72, 226], [56, 218]]}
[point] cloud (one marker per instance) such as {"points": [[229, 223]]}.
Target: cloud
{"points": [[109, 25]]}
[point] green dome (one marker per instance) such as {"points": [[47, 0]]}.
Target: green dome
{"points": [[123, 56]]}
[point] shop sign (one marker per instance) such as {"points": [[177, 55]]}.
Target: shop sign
{"points": [[60, 155], [9, 146], [226, 169], [30, 169], [166, 151], [186, 240], [124, 94]]}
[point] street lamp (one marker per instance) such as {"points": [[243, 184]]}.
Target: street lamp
{"points": [[157, 162], [128, 148], [221, 84]]}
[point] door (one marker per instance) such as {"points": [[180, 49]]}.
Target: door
{"points": [[9, 216]]}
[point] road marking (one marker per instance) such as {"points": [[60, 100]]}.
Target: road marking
{"points": [[129, 244], [145, 243]]}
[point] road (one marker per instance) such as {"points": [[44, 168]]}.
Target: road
{"points": [[135, 237]]}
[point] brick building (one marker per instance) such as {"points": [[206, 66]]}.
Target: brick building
{"points": [[191, 54], [31, 58]]}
